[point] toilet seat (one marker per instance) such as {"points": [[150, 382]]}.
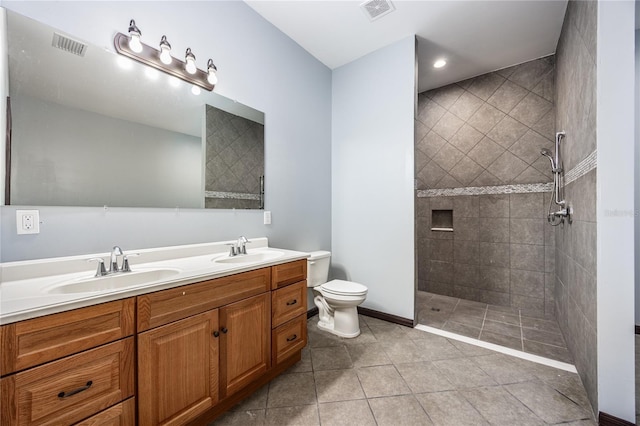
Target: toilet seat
{"points": [[344, 288]]}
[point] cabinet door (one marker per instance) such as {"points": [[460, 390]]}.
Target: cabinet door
{"points": [[178, 370], [245, 342]]}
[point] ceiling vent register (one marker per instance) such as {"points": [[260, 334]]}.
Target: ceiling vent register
{"points": [[376, 9], [68, 45]]}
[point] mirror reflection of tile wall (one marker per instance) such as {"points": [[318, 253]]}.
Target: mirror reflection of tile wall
{"points": [[235, 161]]}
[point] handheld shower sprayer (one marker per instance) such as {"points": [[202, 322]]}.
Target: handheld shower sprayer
{"points": [[545, 152], [565, 211]]}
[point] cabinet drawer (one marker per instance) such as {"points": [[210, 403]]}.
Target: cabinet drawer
{"points": [[289, 338], [288, 302], [123, 414], [289, 273], [36, 341], [70, 389], [166, 306]]}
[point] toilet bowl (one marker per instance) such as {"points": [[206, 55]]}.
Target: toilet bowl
{"points": [[337, 300]]}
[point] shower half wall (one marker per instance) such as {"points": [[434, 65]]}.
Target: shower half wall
{"points": [[478, 159]]}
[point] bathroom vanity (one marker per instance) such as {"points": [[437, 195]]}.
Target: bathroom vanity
{"points": [[180, 350]]}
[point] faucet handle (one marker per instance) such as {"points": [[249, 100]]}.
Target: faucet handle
{"points": [[233, 249], [125, 261], [101, 271], [243, 248]]}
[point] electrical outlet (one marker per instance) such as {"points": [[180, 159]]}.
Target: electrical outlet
{"points": [[28, 221]]}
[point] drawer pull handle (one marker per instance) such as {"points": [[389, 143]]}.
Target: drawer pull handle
{"points": [[292, 302], [75, 391], [224, 330], [292, 338], [216, 333]]}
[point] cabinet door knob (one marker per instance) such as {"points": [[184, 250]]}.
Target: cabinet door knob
{"points": [[292, 302], [224, 330], [75, 391], [216, 333], [292, 338]]}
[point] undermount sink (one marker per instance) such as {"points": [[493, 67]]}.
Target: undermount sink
{"points": [[254, 257], [116, 281]]}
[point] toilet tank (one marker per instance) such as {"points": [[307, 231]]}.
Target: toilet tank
{"points": [[318, 268]]}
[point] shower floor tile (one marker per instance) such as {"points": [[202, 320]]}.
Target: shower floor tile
{"points": [[501, 325]]}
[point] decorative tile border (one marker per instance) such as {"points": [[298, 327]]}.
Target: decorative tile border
{"points": [[583, 167], [231, 195], [486, 190]]}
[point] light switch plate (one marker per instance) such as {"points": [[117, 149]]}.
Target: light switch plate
{"points": [[28, 221], [267, 218]]}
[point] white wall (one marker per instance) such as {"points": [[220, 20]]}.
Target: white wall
{"points": [[372, 176], [258, 66], [615, 205], [637, 177]]}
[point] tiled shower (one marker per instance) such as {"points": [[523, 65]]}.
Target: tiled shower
{"points": [[478, 156], [478, 162]]}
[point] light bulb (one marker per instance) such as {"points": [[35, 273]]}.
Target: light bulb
{"points": [[195, 90], [212, 78], [134, 37], [190, 60], [165, 51]]}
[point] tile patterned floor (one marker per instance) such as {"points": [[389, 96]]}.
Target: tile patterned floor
{"points": [[394, 375], [501, 325]]}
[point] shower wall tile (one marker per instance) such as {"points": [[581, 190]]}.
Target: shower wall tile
{"points": [[492, 256], [466, 127], [527, 231], [575, 244], [494, 205]]}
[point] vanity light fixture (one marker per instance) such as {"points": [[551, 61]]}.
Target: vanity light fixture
{"points": [[187, 70], [134, 37], [211, 72], [190, 60], [165, 51]]}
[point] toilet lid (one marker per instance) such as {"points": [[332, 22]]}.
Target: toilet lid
{"points": [[344, 287]]}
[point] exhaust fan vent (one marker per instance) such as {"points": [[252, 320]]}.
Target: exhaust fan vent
{"points": [[68, 45], [376, 9]]}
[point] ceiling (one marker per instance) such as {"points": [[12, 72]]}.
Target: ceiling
{"points": [[474, 37]]}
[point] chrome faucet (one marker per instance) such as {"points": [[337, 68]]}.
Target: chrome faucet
{"points": [[242, 248], [117, 251]]}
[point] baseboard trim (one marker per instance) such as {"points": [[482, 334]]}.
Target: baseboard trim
{"points": [[637, 329], [311, 312], [385, 317], [605, 419]]}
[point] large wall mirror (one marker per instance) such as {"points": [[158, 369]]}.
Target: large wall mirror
{"points": [[92, 128]]}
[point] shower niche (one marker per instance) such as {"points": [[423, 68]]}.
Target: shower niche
{"points": [[442, 220]]}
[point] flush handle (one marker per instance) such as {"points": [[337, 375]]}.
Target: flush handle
{"points": [[292, 302]]}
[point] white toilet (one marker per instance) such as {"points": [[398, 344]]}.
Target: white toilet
{"points": [[338, 300]]}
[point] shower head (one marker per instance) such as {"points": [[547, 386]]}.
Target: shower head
{"points": [[549, 155]]}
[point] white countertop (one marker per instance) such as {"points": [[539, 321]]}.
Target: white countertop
{"points": [[26, 287]]}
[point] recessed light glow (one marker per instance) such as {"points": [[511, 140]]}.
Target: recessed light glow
{"points": [[439, 63]]}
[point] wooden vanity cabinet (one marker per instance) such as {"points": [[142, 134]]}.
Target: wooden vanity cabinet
{"points": [[245, 342], [200, 349], [178, 370], [70, 366]]}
